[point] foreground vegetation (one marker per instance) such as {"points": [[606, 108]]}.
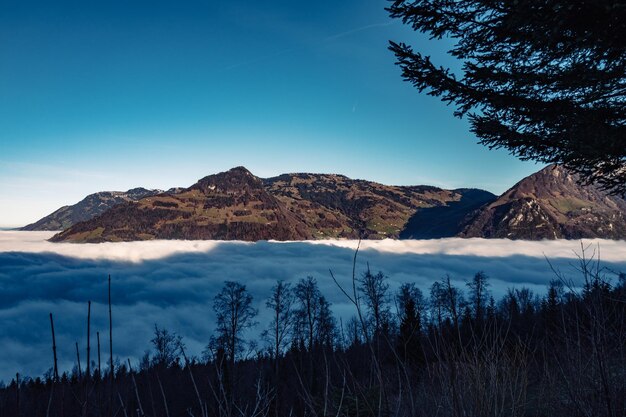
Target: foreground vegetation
{"points": [[455, 352]]}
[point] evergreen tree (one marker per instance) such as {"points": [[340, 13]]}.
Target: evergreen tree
{"points": [[325, 325], [478, 295], [545, 80], [551, 305], [409, 343]]}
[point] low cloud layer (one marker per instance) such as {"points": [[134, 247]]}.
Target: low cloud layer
{"points": [[36, 242], [173, 283]]}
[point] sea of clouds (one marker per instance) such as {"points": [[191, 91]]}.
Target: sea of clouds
{"points": [[172, 283]]}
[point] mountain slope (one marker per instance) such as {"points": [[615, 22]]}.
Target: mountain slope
{"points": [[231, 205], [237, 205], [88, 208], [337, 206], [550, 205], [445, 220]]}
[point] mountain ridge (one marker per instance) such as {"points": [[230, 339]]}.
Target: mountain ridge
{"points": [[89, 207], [237, 205]]}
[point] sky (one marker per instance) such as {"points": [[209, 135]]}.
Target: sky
{"points": [[112, 95], [172, 283]]}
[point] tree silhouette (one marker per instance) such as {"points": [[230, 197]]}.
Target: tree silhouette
{"points": [[234, 312], [545, 80], [308, 297], [166, 347], [410, 333], [325, 333], [559, 353], [374, 288], [478, 295], [280, 303]]}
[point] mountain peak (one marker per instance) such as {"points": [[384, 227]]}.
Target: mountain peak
{"points": [[235, 180], [551, 204], [239, 170], [556, 171]]}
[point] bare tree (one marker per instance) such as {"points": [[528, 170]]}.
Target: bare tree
{"points": [[166, 346], [453, 300], [446, 301], [280, 304], [374, 288], [353, 332], [235, 314], [308, 296]]}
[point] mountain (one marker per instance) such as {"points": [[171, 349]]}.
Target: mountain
{"points": [[550, 204], [236, 205], [88, 208], [232, 205], [337, 206]]}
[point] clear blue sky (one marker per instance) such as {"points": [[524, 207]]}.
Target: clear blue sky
{"points": [[110, 95]]}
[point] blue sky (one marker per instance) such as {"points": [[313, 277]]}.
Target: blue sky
{"points": [[110, 95]]}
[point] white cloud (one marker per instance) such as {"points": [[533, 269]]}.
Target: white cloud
{"points": [[173, 283], [36, 242]]}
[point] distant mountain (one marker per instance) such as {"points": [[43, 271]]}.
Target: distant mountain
{"points": [[232, 205], [550, 204], [88, 208], [236, 205], [337, 206]]}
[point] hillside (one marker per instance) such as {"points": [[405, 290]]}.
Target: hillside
{"points": [[231, 205], [337, 206], [88, 208], [236, 205], [550, 204]]}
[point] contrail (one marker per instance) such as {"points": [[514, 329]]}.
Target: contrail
{"points": [[355, 30]]}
